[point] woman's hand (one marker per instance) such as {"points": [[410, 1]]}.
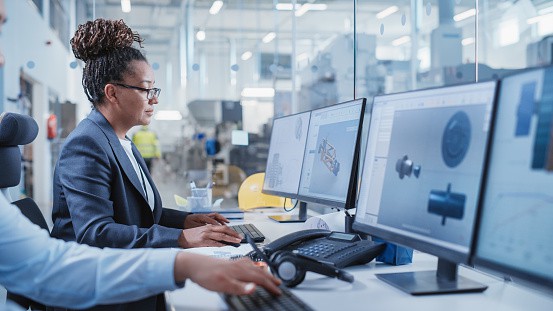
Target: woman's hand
{"points": [[197, 220], [238, 277], [208, 235]]}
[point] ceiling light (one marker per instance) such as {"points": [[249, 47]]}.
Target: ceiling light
{"points": [[246, 55], [168, 115], [467, 41], [286, 6], [401, 40], [126, 6], [200, 35], [269, 37], [258, 92], [387, 12], [464, 15], [216, 7]]}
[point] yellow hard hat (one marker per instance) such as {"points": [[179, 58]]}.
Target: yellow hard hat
{"points": [[250, 195]]}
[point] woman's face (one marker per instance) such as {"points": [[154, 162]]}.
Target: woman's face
{"points": [[135, 107]]}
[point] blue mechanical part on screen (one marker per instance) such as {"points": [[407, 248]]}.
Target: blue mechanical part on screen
{"points": [[446, 204], [456, 139], [406, 167], [328, 156]]}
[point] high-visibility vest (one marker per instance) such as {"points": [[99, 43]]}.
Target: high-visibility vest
{"points": [[147, 143]]}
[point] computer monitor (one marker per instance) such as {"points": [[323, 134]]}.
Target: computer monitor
{"points": [[515, 234], [286, 148], [329, 171], [421, 178]]}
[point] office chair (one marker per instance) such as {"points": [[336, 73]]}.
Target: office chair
{"points": [[15, 130]]}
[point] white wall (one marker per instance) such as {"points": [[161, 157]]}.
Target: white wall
{"points": [[24, 38]]}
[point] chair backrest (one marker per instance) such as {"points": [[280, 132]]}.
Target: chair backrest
{"points": [[15, 130], [250, 195]]}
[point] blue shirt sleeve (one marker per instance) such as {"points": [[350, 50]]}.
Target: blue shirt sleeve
{"points": [[67, 274]]}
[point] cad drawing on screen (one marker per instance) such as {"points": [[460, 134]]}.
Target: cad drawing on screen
{"points": [[274, 172], [447, 203], [406, 167], [456, 139], [328, 156]]}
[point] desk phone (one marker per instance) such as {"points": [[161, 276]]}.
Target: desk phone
{"points": [[337, 249]]}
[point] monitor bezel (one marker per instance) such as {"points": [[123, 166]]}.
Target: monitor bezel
{"points": [[282, 193], [532, 279], [429, 247], [353, 175]]}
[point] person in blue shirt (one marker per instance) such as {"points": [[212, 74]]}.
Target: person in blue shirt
{"points": [[67, 274]]}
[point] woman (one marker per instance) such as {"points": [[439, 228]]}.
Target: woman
{"points": [[103, 194]]}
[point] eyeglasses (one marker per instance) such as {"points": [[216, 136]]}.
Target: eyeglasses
{"points": [[151, 93]]}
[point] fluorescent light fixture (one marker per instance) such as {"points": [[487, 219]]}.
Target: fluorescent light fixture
{"points": [[286, 6], [387, 12], [269, 37], [258, 92], [401, 40], [310, 7], [239, 138], [200, 35], [168, 115], [539, 18], [464, 15], [126, 6], [246, 55], [216, 7], [467, 41]]}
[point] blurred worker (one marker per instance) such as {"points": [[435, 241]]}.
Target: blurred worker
{"points": [[148, 145], [55, 272]]}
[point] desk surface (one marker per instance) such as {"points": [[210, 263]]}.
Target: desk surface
{"points": [[369, 293]]}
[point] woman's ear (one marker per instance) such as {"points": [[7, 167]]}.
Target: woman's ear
{"points": [[110, 91]]}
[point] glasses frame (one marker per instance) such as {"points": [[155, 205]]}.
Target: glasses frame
{"points": [[150, 93]]}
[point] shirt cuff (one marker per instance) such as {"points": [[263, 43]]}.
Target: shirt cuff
{"points": [[161, 271]]}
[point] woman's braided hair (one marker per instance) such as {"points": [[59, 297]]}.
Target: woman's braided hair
{"points": [[106, 48]]}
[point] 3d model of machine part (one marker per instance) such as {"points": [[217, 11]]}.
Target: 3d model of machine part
{"points": [[328, 156], [456, 139], [446, 203], [405, 167]]}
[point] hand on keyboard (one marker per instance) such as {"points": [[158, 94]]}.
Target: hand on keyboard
{"points": [[208, 235], [238, 277]]}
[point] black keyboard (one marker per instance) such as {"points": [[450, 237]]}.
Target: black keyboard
{"points": [[263, 300], [250, 230]]}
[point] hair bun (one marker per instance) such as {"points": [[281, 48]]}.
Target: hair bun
{"points": [[96, 38]]}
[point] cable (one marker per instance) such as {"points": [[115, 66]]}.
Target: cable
{"points": [[293, 207]]}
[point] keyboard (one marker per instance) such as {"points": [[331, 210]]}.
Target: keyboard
{"points": [[260, 299], [250, 230]]}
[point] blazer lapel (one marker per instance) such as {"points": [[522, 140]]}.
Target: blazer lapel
{"points": [[157, 198], [118, 150]]}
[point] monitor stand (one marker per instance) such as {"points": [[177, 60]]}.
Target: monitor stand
{"points": [[445, 280], [300, 217]]}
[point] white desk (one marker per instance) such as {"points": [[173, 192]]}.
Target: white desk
{"points": [[369, 293]]}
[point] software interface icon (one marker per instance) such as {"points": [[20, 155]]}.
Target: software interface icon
{"points": [[516, 224], [330, 150], [423, 168], [286, 149]]}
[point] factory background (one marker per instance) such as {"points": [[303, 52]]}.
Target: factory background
{"points": [[227, 68]]}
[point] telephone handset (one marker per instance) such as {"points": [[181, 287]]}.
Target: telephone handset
{"points": [[337, 249]]}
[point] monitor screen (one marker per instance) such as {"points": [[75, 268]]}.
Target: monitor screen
{"points": [[282, 174], [331, 152], [516, 222], [423, 168]]}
